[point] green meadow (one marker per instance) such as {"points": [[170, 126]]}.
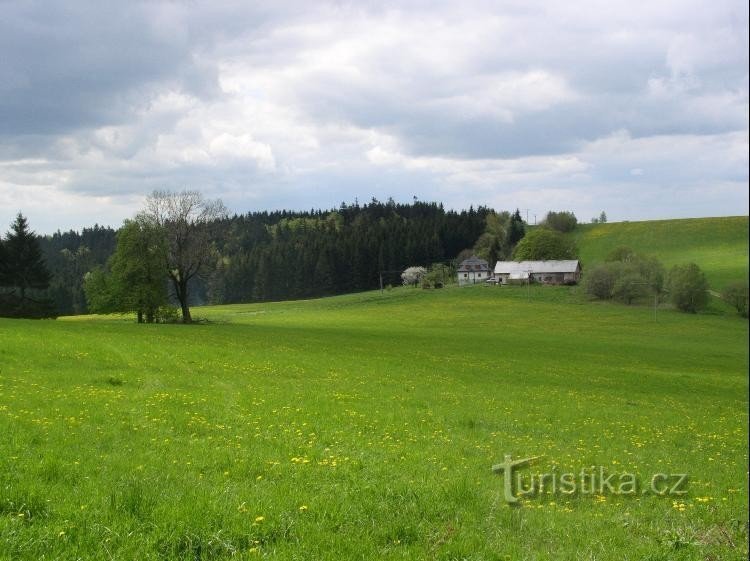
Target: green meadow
{"points": [[717, 245], [366, 427]]}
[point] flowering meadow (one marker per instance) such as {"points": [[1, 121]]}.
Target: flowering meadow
{"points": [[366, 427]]}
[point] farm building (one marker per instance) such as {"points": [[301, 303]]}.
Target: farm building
{"points": [[473, 270], [546, 272]]}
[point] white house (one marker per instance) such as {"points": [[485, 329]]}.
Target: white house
{"points": [[473, 271], [546, 272]]}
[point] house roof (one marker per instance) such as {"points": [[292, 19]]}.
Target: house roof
{"points": [[517, 267], [473, 263]]}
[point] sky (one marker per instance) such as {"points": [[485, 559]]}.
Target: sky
{"points": [[638, 109]]}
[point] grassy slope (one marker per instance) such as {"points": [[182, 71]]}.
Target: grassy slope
{"points": [[364, 427], [718, 245]]}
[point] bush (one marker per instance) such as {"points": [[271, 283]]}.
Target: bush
{"points": [[736, 295], [599, 282], [629, 287], [440, 275], [688, 288], [625, 277], [413, 275], [542, 244]]}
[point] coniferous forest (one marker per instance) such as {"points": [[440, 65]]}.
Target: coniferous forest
{"points": [[283, 255]]}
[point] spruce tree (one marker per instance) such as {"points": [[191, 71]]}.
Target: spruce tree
{"points": [[517, 229], [24, 267]]}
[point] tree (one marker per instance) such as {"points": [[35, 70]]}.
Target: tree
{"points": [[599, 281], [561, 221], [413, 275], [626, 277], [629, 286], [736, 295], [23, 267], [3, 262], [688, 288], [516, 229], [100, 296], [138, 269], [492, 245], [136, 281], [441, 274], [603, 218], [187, 219], [543, 244]]}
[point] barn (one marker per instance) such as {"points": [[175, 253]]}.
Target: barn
{"points": [[545, 272]]}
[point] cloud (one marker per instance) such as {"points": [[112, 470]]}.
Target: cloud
{"points": [[298, 104]]}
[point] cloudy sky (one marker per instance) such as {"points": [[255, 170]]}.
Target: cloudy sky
{"points": [[639, 109]]}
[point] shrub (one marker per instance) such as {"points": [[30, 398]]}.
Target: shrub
{"points": [[441, 274], [625, 276], [599, 281], [736, 295], [413, 275], [629, 287], [688, 288]]}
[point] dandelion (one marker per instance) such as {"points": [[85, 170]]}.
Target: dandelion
{"points": [[260, 518]]}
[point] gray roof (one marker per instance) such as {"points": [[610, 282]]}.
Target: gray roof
{"points": [[515, 267], [473, 263]]}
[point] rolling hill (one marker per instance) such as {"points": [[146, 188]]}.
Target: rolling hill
{"points": [[718, 245]]}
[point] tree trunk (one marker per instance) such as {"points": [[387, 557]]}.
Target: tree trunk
{"points": [[185, 312], [182, 296], [181, 292], [140, 316]]}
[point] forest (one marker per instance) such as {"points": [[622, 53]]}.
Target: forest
{"points": [[281, 255]]}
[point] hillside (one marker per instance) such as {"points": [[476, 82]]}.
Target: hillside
{"points": [[718, 245], [365, 427]]}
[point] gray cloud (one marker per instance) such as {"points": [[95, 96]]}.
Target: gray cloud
{"points": [[298, 104]]}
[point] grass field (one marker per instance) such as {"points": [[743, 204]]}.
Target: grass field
{"points": [[366, 426], [717, 245]]}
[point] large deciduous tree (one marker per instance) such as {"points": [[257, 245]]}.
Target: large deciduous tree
{"points": [[187, 219], [563, 221], [493, 244], [136, 281], [543, 243]]}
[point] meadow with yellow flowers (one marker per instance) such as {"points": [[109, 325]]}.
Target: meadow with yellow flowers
{"points": [[366, 427]]}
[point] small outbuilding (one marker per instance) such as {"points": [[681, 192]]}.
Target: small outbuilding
{"points": [[545, 272], [473, 271]]}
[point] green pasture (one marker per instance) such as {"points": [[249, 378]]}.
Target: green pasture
{"points": [[718, 245], [366, 427]]}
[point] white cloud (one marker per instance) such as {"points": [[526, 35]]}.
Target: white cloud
{"points": [[296, 105]]}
